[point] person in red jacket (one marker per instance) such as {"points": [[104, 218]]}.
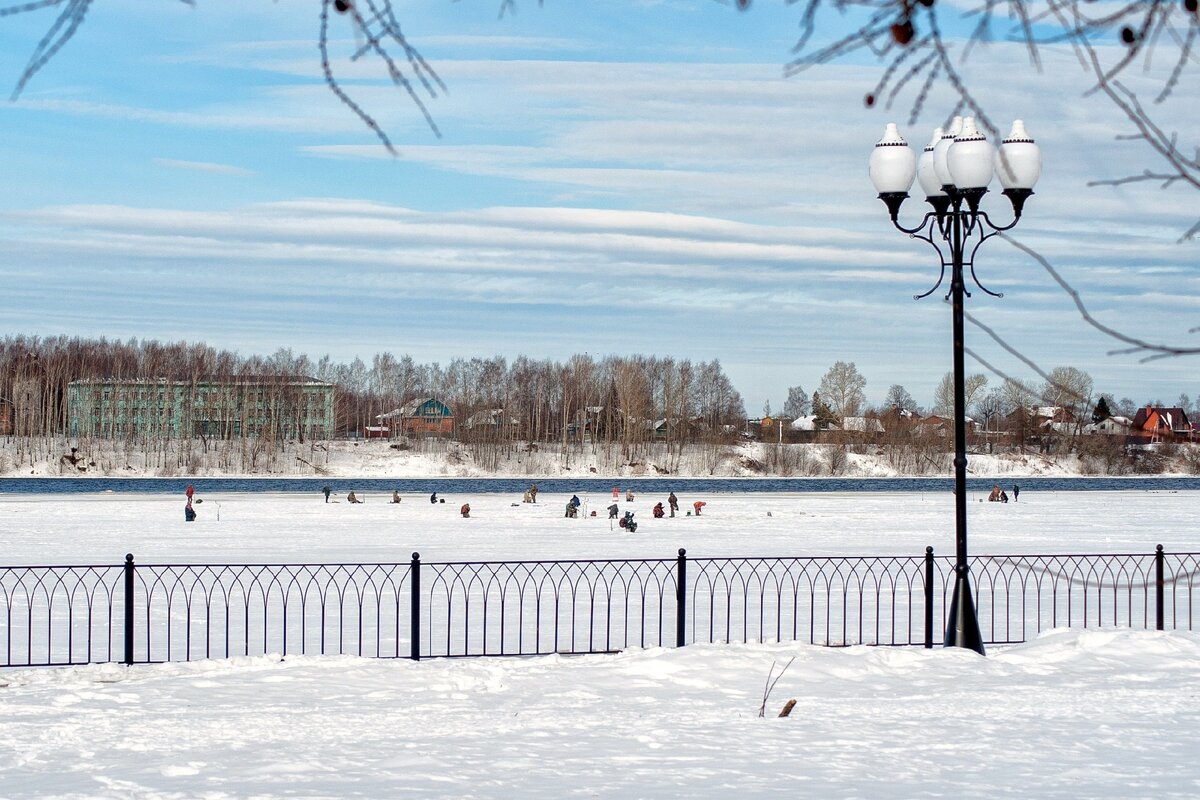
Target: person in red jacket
{"points": [[465, 510], [699, 504]]}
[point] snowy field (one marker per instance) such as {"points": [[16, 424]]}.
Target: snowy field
{"points": [[1110, 713], [1073, 715], [77, 529]]}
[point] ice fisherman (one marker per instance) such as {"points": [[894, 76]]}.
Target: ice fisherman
{"points": [[325, 490], [465, 510], [699, 504], [395, 496], [659, 513], [433, 497], [612, 511], [673, 502]]}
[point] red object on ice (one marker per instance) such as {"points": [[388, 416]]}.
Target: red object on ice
{"points": [[190, 491], [616, 493]]}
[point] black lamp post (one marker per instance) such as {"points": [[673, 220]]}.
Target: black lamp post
{"points": [[954, 171]]}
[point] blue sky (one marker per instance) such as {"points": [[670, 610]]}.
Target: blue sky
{"points": [[614, 177]]}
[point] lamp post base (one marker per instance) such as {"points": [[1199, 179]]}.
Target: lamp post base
{"points": [[962, 625]]}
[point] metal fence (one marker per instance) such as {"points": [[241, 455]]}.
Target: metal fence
{"points": [[137, 613]]}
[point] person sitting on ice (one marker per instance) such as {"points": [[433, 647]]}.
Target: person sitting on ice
{"points": [[433, 497], [395, 496], [527, 497], [627, 522], [699, 504], [612, 511], [465, 510], [1003, 496], [659, 512], [352, 498], [629, 495], [572, 510], [189, 513], [994, 497]]}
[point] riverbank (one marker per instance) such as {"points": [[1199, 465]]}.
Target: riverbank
{"points": [[436, 458]]}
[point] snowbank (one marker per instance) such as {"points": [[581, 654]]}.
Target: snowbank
{"points": [[437, 458], [1072, 714]]}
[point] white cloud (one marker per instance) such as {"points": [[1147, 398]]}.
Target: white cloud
{"points": [[204, 166]]}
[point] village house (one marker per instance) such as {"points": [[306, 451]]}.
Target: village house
{"points": [[491, 419], [1156, 424], [1111, 426], [422, 416]]}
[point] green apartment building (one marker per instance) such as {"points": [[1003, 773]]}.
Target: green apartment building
{"points": [[280, 407]]}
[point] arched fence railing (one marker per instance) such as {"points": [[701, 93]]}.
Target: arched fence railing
{"points": [[137, 613]]}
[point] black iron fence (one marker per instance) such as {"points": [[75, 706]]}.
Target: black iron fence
{"points": [[136, 613]]}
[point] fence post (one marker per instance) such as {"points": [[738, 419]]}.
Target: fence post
{"points": [[415, 632], [1158, 588], [680, 597], [929, 598], [129, 609]]}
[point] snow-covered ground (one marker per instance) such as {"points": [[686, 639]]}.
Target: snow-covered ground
{"points": [[1098, 713], [1112, 714]]}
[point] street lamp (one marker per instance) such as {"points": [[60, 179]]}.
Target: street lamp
{"points": [[954, 171]]}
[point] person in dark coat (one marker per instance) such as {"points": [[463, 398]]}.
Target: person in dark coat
{"points": [[325, 490], [673, 502], [612, 511], [533, 493], [433, 497], [395, 496], [575, 500], [1016, 493], [189, 513], [572, 510]]}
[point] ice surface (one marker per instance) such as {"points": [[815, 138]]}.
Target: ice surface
{"points": [[61, 529]]}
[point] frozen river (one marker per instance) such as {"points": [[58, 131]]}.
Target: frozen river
{"points": [[265, 527]]}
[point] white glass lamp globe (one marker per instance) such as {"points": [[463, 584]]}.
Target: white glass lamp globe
{"points": [[970, 158], [892, 164], [942, 148], [1018, 159], [926, 174]]}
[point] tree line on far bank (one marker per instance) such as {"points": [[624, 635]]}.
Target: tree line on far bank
{"points": [[623, 402]]}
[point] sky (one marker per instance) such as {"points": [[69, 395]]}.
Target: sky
{"points": [[612, 178]]}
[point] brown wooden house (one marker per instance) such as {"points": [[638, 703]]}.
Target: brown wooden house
{"points": [[1152, 424]]}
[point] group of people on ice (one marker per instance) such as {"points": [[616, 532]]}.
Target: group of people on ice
{"points": [[998, 495], [658, 512], [671, 507]]}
